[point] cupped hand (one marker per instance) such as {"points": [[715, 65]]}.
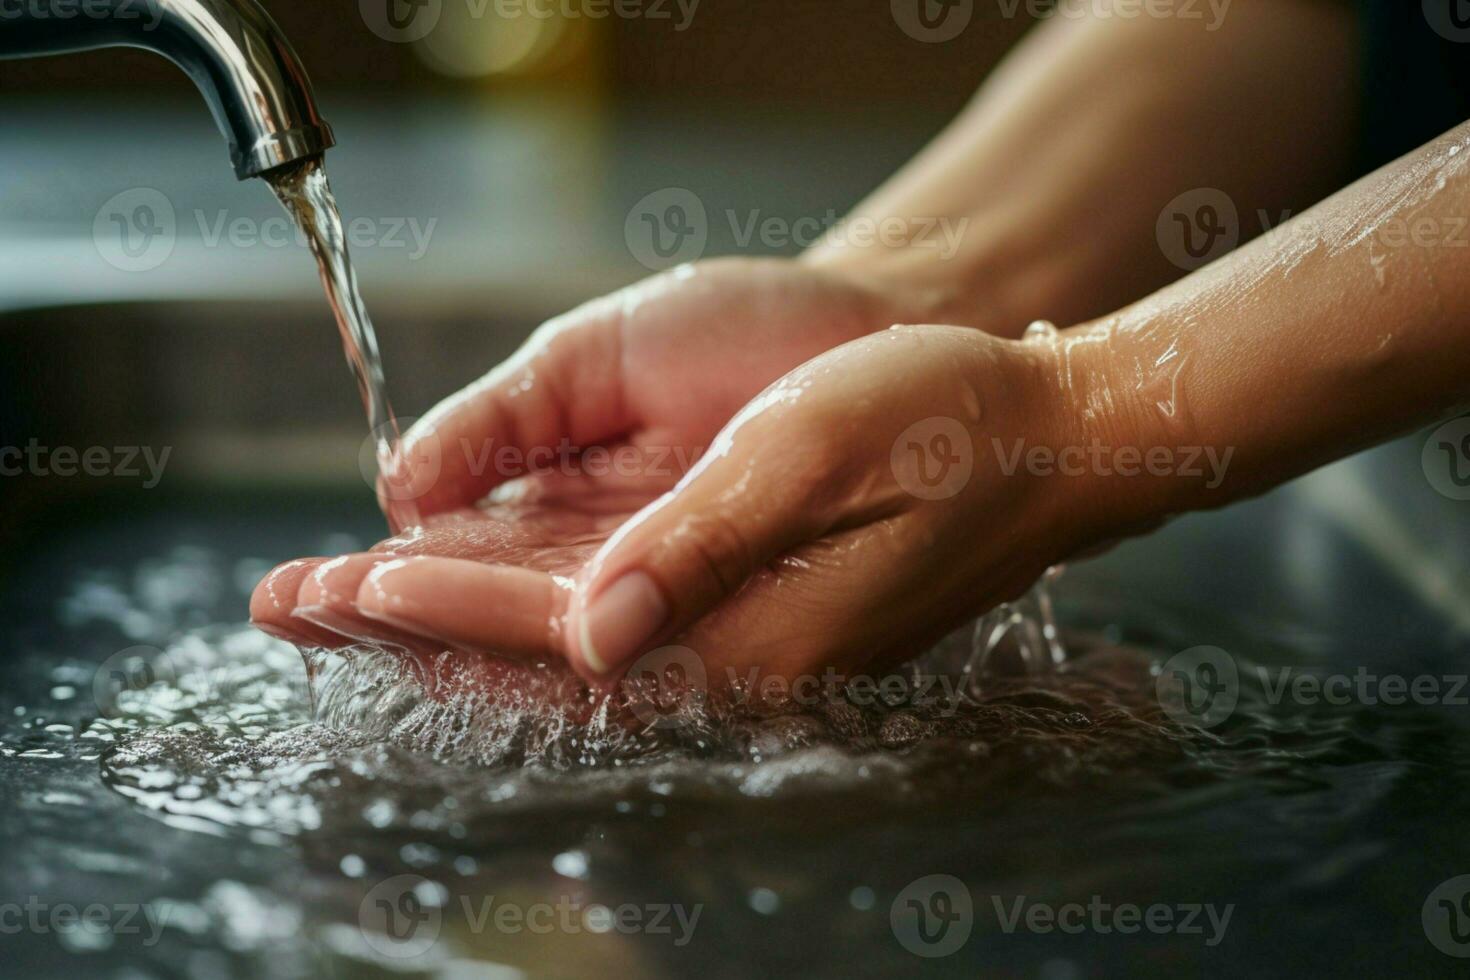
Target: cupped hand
{"points": [[648, 374], [848, 517], [532, 547]]}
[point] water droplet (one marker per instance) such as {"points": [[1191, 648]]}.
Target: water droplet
{"points": [[1040, 330]]}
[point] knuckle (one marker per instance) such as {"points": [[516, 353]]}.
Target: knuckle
{"points": [[815, 472], [719, 552]]}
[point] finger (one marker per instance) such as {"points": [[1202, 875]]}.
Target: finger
{"points": [[274, 600], [876, 596], [564, 384], [467, 604], [751, 499], [327, 599], [605, 476]]}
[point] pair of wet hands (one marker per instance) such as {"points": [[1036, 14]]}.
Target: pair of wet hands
{"points": [[806, 536]]}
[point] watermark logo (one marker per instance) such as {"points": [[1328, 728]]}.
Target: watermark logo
{"points": [[128, 673], [933, 916], [361, 233], [933, 21], [1199, 686], [667, 228], [406, 21], [1209, 13], [401, 21], [673, 226], [1198, 227], [1446, 459], [1202, 687], [1446, 917], [941, 234], [139, 229], [419, 467], [933, 459], [136, 231], [663, 686], [401, 916], [1449, 18]]}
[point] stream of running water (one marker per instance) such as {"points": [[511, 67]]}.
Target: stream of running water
{"points": [[307, 196]]}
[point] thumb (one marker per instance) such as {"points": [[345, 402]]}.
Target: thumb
{"points": [[687, 552], [564, 384]]}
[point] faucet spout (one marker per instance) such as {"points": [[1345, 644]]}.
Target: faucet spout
{"points": [[260, 96]]}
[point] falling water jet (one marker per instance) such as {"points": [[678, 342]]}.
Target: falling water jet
{"points": [[305, 193]]}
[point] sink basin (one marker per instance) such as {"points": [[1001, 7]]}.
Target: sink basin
{"points": [[1324, 833]]}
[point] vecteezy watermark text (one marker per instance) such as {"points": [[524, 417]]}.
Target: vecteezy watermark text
{"points": [[934, 459], [34, 459], [1201, 686], [672, 226], [280, 232], [401, 917], [1202, 224], [666, 687], [1100, 916], [407, 21], [37, 916], [941, 693], [1100, 459], [937, 21], [138, 229], [148, 13], [933, 916], [506, 461]]}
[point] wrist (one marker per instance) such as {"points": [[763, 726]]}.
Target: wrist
{"points": [[920, 285], [1125, 457], [988, 274]]}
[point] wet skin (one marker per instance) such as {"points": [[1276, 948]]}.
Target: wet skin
{"points": [[795, 543], [501, 578]]}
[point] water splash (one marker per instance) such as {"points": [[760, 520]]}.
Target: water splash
{"points": [[1029, 624]]}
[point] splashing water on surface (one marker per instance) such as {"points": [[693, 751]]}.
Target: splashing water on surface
{"points": [[335, 779], [249, 693], [230, 730]]}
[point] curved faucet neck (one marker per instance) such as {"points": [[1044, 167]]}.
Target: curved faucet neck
{"points": [[260, 96]]}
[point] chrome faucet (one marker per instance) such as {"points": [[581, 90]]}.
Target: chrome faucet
{"points": [[247, 72]]}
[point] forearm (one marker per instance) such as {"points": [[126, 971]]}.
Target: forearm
{"points": [[1340, 329], [1056, 174]]}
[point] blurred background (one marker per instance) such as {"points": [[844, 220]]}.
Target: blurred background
{"points": [[491, 168]]}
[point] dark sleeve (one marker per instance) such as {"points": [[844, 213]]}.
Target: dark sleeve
{"points": [[1416, 74]]}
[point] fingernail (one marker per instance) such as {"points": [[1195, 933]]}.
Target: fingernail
{"points": [[335, 583], [388, 592], [617, 623]]}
